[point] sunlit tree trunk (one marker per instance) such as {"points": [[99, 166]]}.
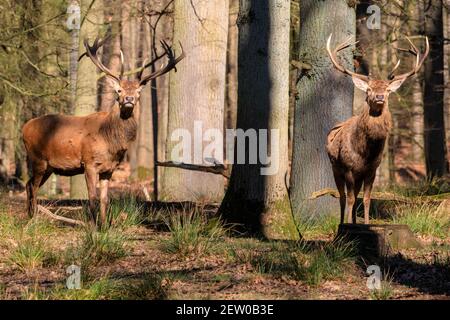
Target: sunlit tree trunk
{"points": [[325, 99], [86, 92], [111, 52], [144, 157], [197, 95]]}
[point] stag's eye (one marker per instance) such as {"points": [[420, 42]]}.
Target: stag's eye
{"points": [[119, 91]]}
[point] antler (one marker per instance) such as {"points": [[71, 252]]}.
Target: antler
{"points": [[91, 51], [333, 56], [171, 64], [418, 61]]}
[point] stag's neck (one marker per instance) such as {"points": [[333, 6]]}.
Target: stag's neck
{"points": [[119, 129], [374, 127]]}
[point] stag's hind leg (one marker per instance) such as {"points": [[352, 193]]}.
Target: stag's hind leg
{"points": [[358, 185], [351, 198], [38, 178], [340, 184]]}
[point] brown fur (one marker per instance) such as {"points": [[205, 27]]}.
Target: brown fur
{"points": [[355, 148], [68, 145], [93, 144]]}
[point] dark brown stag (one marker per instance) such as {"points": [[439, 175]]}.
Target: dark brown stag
{"points": [[93, 144], [355, 147]]}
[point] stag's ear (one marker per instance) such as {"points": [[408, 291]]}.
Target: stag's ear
{"points": [[394, 85], [360, 84], [113, 83]]}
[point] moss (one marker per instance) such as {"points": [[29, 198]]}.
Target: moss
{"points": [[277, 221]]}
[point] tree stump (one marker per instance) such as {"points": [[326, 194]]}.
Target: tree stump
{"points": [[379, 240]]}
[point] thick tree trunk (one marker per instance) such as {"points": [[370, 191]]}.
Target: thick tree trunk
{"points": [[86, 93], [434, 131], [260, 202], [197, 95], [325, 99], [232, 67]]}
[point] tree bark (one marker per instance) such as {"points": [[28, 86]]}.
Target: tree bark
{"points": [[260, 202], [197, 94], [434, 131], [130, 46], [325, 99], [144, 157], [111, 52], [86, 92]]}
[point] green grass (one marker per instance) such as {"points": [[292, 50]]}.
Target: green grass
{"points": [[148, 286], [123, 213], [191, 232], [29, 245], [324, 225], [302, 262], [386, 290], [97, 248], [425, 187], [423, 218]]}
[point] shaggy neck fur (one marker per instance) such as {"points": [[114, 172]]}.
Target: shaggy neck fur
{"points": [[119, 129], [371, 131], [373, 126]]}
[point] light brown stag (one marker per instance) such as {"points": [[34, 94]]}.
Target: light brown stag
{"points": [[355, 147], [94, 144]]}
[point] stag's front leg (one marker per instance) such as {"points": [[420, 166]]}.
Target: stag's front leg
{"points": [[91, 182], [104, 199], [368, 183]]}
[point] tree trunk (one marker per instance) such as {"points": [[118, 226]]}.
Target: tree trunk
{"points": [[86, 92], [162, 29], [197, 95], [434, 131], [144, 158], [256, 199], [111, 52], [130, 47], [325, 99], [232, 67]]}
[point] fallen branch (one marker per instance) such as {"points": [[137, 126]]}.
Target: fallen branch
{"points": [[51, 215], [216, 169], [383, 196]]}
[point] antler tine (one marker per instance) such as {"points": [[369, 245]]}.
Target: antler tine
{"points": [[418, 61], [171, 64], [391, 74], [333, 56], [122, 64], [91, 51]]}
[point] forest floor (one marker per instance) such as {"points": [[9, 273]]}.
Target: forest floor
{"points": [[181, 254]]}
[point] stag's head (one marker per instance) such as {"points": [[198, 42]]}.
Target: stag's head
{"points": [[128, 91], [378, 91]]}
